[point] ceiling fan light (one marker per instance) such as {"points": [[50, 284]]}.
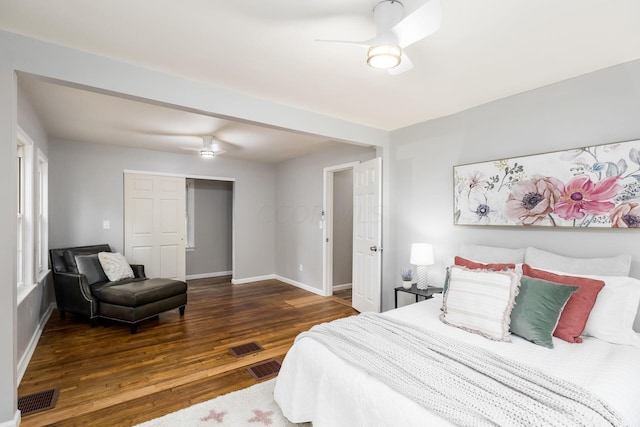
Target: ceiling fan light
{"points": [[207, 154], [384, 56]]}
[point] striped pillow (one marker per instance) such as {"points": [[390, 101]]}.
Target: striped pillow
{"points": [[481, 301]]}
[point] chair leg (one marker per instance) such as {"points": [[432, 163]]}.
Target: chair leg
{"points": [[182, 310], [63, 315], [134, 328], [93, 322]]}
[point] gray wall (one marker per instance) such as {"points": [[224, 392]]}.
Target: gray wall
{"points": [[597, 108], [86, 187], [213, 224], [299, 200], [32, 308], [342, 227]]}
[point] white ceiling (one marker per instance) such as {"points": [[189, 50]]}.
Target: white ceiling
{"points": [[485, 50], [79, 115]]}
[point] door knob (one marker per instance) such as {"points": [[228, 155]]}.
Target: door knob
{"points": [[373, 249]]}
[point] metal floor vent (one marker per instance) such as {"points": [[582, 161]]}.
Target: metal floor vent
{"points": [[244, 349], [266, 369], [37, 402]]}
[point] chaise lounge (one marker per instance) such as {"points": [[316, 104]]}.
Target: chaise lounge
{"points": [[82, 287]]}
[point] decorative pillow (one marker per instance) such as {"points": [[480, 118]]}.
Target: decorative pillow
{"points": [[472, 265], [492, 254], [614, 266], [575, 314], [480, 301], [89, 265], [115, 266], [538, 307]]}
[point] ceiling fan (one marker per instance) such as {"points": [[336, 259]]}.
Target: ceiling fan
{"points": [[211, 147], [394, 33]]}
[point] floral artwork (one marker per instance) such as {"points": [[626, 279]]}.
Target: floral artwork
{"points": [[596, 186]]}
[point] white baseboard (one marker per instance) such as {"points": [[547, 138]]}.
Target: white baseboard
{"points": [[342, 287], [300, 285], [280, 278], [253, 279], [207, 275], [15, 422], [33, 343]]}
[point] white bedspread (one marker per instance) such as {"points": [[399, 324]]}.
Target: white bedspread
{"points": [[316, 385]]}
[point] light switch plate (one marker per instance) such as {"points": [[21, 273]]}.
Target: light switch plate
{"points": [[106, 224]]}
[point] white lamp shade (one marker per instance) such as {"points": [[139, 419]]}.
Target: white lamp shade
{"points": [[422, 254]]}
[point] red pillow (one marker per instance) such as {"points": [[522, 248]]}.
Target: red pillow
{"points": [[576, 313], [472, 265]]}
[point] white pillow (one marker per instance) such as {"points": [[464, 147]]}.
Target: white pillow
{"points": [[613, 266], [491, 254], [480, 301], [115, 266], [615, 310]]}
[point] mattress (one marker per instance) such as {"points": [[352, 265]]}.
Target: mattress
{"points": [[316, 385]]}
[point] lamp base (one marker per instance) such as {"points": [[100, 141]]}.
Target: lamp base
{"points": [[423, 277]]}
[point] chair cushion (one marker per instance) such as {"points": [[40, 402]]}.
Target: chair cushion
{"points": [[134, 293], [89, 265]]}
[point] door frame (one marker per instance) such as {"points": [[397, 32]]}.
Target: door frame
{"points": [[327, 225], [204, 177]]}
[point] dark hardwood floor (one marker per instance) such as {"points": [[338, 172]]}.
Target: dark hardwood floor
{"points": [[108, 377]]}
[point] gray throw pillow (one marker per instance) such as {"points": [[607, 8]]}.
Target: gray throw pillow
{"points": [[89, 265], [538, 307]]}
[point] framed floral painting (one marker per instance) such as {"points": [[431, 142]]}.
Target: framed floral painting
{"points": [[596, 186]]}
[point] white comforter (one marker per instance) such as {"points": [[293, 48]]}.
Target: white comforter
{"points": [[316, 385]]}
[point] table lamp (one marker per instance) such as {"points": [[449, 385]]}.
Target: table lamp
{"points": [[422, 257]]}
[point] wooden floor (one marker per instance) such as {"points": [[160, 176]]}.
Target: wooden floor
{"points": [[108, 377]]}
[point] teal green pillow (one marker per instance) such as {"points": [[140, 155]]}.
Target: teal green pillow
{"points": [[538, 307]]}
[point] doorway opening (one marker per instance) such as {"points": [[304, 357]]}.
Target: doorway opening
{"points": [[180, 219], [209, 228], [338, 230]]}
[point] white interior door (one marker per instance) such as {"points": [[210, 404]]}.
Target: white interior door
{"points": [[367, 235], [154, 224]]}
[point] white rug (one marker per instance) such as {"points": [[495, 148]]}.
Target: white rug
{"points": [[251, 407]]}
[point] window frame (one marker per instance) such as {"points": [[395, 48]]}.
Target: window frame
{"points": [[41, 217], [24, 243]]}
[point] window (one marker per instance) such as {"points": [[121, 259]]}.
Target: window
{"points": [[190, 198], [31, 244], [42, 216], [21, 225]]}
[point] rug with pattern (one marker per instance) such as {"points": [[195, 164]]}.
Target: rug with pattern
{"points": [[251, 407]]}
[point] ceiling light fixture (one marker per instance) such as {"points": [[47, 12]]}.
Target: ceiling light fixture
{"points": [[384, 56], [207, 154]]}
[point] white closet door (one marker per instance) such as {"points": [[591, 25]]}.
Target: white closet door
{"points": [[154, 224]]}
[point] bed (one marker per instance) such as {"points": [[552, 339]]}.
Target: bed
{"points": [[316, 385]]}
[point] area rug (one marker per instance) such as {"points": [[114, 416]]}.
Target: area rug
{"points": [[251, 407]]}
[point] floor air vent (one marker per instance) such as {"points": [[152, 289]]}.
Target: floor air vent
{"points": [[266, 369], [244, 349], [37, 402]]}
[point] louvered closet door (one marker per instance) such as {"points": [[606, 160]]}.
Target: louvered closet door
{"points": [[154, 224]]}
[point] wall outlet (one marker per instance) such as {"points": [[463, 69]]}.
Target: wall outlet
{"points": [[300, 267]]}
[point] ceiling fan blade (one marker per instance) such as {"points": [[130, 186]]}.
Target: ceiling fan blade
{"points": [[419, 24], [362, 43], [405, 65]]}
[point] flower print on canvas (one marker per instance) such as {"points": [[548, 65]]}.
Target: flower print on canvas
{"points": [[595, 186]]}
